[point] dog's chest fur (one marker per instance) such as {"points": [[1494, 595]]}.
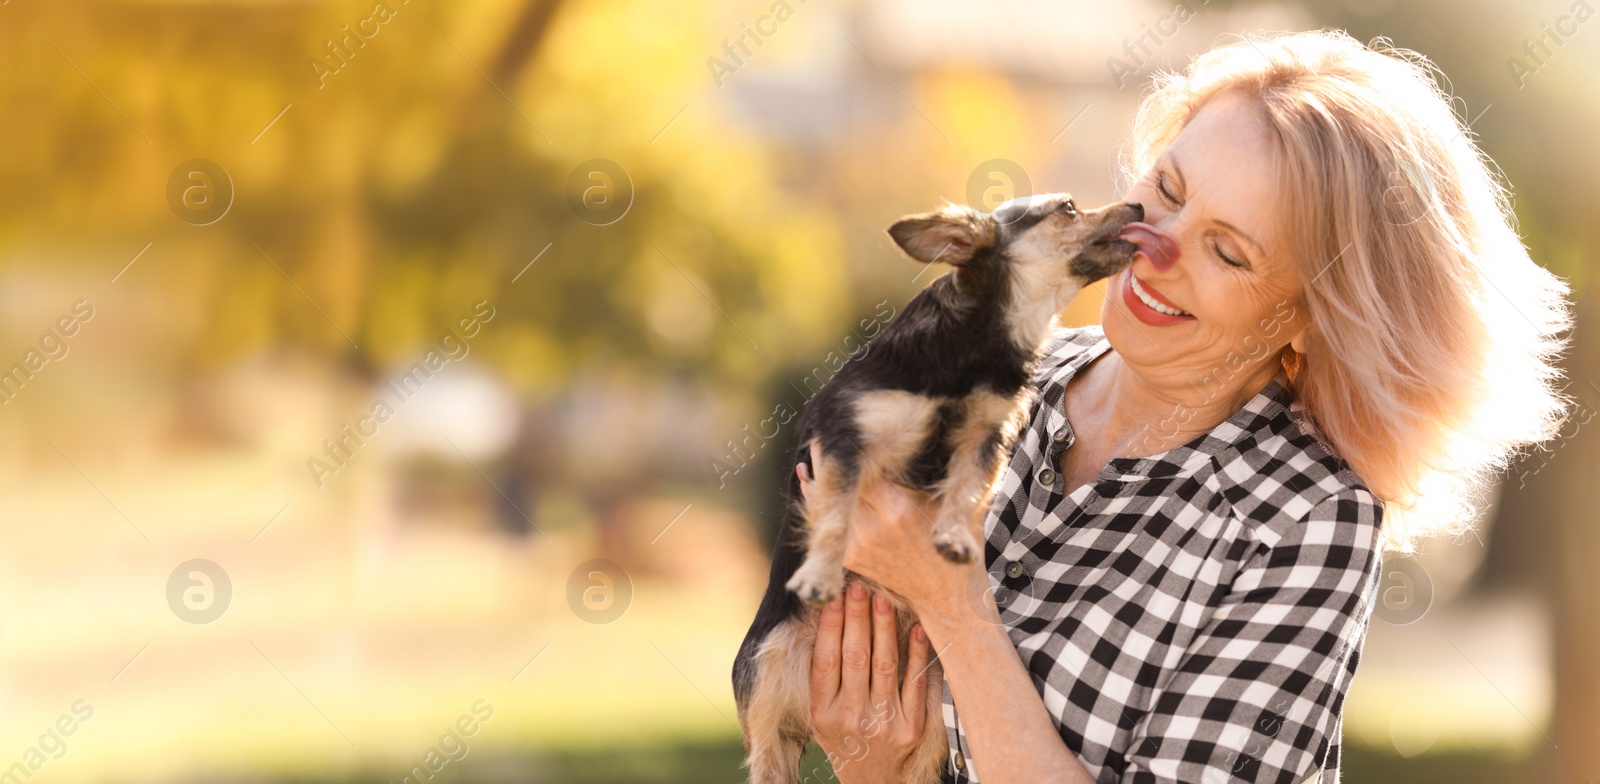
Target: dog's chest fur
{"points": [[948, 360]]}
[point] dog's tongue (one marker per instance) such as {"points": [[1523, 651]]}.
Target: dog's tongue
{"points": [[1155, 244]]}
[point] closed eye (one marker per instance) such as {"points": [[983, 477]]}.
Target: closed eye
{"points": [[1161, 186], [1225, 258]]}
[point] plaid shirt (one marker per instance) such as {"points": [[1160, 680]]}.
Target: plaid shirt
{"points": [[1193, 616]]}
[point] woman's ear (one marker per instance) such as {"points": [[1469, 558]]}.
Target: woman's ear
{"points": [[1298, 342]]}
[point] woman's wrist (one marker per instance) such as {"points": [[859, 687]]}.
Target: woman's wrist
{"points": [[961, 608]]}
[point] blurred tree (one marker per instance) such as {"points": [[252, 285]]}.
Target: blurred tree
{"points": [[416, 167]]}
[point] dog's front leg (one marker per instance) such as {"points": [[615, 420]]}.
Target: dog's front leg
{"points": [[820, 578], [961, 496], [976, 447]]}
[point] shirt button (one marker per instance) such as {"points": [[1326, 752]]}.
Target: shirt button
{"points": [[1061, 437], [961, 762], [1047, 477], [1014, 570]]}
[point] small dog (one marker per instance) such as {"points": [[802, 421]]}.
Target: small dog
{"points": [[935, 404]]}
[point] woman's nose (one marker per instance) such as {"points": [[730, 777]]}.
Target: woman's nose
{"points": [[1165, 222], [1162, 218], [1154, 243]]}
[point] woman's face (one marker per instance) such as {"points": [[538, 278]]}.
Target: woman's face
{"points": [[1214, 192]]}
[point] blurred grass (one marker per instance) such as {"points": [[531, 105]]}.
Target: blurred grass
{"points": [[389, 625], [1367, 765]]}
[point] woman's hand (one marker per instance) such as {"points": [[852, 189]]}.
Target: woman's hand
{"points": [[890, 542], [862, 716]]}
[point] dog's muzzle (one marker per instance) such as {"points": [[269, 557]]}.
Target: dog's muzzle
{"points": [[1104, 253]]}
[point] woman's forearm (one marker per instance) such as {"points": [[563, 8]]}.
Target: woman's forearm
{"points": [[1011, 735]]}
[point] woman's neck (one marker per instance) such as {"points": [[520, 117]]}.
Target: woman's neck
{"points": [[1134, 414]]}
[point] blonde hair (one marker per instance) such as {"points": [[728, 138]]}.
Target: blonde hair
{"points": [[1430, 358]]}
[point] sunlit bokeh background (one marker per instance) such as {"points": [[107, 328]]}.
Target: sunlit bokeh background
{"points": [[377, 372]]}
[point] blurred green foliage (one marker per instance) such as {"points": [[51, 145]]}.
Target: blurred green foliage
{"points": [[405, 186]]}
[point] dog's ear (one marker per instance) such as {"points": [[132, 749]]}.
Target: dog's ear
{"points": [[951, 235]]}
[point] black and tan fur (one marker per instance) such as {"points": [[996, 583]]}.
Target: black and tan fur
{"points": [[934, 404]]}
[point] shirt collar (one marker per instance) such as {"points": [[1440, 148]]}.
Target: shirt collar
{"points": [[1274, 400]]}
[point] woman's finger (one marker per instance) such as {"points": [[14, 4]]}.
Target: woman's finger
{"points": [[825, 654], [885, 660], [855, 656], [914, 694]]}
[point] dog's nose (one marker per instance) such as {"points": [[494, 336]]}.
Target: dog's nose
{"points": [[1138, 210]]}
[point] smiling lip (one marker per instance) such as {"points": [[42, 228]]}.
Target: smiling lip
{"points": [[1156, 245], [1156, 295], [1143, 312]]}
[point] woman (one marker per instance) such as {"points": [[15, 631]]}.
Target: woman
{"points": [[1330, 342]]}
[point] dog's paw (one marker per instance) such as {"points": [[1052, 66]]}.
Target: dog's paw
{"points": [[957, 548], [816, 589]]}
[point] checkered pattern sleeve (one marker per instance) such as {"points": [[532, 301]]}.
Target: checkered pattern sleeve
{"points": [[1257, 695]]}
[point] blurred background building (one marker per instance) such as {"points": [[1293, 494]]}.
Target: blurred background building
{"points": [[442, 361]]}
